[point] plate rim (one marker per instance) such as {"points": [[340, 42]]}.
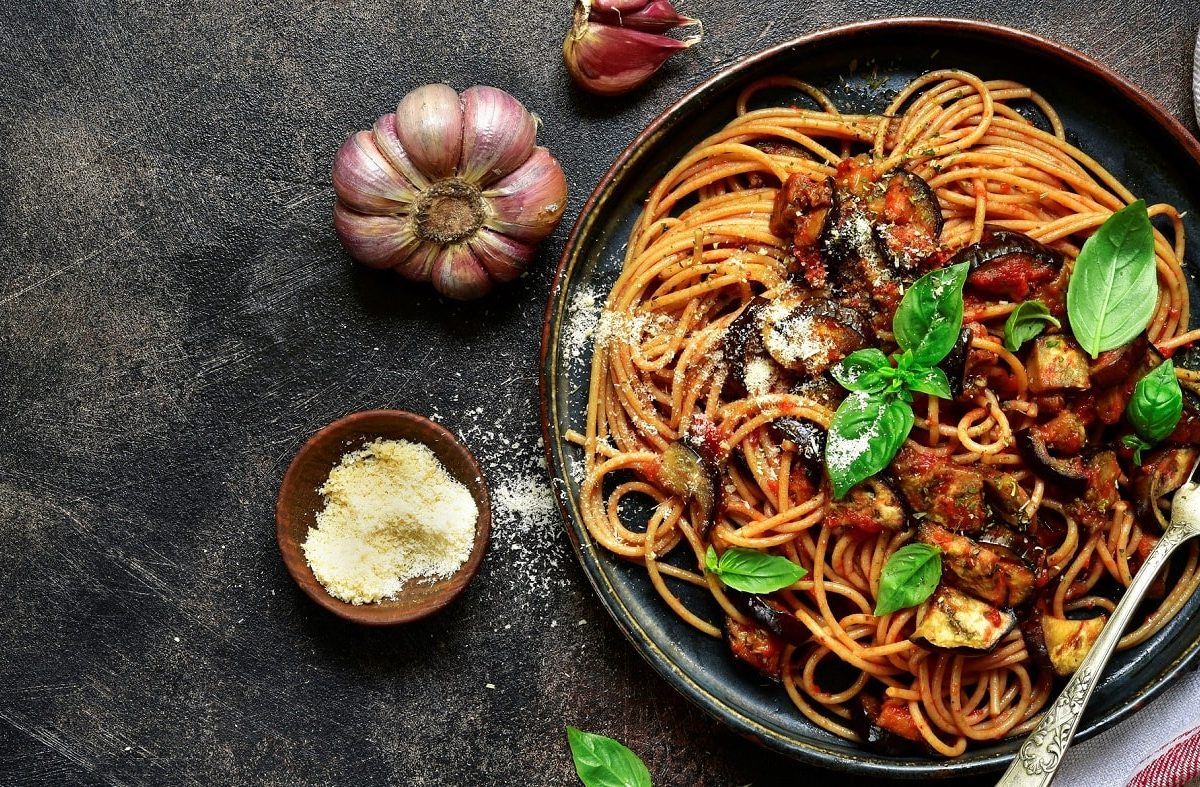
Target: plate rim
{"points": [[862, 763]]}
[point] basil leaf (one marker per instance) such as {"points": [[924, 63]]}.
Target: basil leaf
{"points": [[751, 571], [603, 762], [928, 381], [931, 313], [859, 371], [1113, 288], [866, 432], [1157, 403], [909, 577], [1137, 444], [1026, 322]]}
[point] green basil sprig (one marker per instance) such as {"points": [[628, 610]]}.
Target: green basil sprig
{"points": [[930, 316], [909, 577], [873, 422], [866, 432], [751, 571], [1154, 409], [1113, 288], [1026, 322], [603, 762]]}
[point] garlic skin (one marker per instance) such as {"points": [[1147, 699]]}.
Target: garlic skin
{"points": [[615, 45], [448, 189]]}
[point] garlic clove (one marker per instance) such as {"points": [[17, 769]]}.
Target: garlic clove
{"points": [[418, 266], [377, 241], [457, 274], [503, 257], [365, 180], [528, 203], [609, 60], [650, 16], [384, 135], [498, 134], [429, 126]]}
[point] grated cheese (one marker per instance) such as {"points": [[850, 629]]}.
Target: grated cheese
{"points": [[392, 514]]}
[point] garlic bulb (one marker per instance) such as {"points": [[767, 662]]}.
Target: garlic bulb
{"points": [[449, 189], [615, 45]]}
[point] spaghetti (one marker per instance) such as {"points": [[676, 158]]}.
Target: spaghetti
{"points": [[705, 251]]}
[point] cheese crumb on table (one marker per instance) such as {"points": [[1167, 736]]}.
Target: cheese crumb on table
{"points": [[392, 514]]}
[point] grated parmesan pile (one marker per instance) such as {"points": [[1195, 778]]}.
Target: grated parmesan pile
{"points": [[392, 514]]}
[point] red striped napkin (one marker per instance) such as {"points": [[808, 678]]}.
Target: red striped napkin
{"points": [[1159, 746]]}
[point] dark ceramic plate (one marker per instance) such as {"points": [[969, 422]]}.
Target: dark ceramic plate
{"points": [[1106, 116]]}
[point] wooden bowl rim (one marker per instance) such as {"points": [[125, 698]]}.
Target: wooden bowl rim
{"points": [[411, 426]]}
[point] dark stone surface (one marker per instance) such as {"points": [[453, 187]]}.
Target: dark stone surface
{"points": [[176, 316]]}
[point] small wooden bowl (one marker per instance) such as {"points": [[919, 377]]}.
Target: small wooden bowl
{"points": [[299, 501]]}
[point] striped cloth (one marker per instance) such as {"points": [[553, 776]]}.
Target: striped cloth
{"points": [[1159, 746]]}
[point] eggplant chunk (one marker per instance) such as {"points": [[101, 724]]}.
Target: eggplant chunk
{"points": [[771, 616], [802, 209], [1064, 433], [1102, 473], [812, 335], [1113, 366], [742, 343], [755, 646], [869, 507], [947, 494], [991, 573], [806, 436], [1068, 641], [909, 219], [886, 727], [684, 472], [1014, 542], [954, 621], [1056, 363], [1008, 265], [1008, 498], [1068, 472], [1162, 472]]}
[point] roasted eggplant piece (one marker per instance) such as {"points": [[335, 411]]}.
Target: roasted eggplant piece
{"points": [[1064, 433], [1102, 472], [1067, 641], [802, 213], [945, 493], [1068, 472], [1113, 366], [684, 471], [1161, 473], [1112, 400], [812, 335], [1008, 498], [991, 573], [952, 620], [1014, 542], [908, 219], [956, 362], [822, 390], [1057, 363], [802, 209], [809, 439], [869, 507], [885, 727], [743, 341], [771, 616], [755, 646], [1008, 265]]}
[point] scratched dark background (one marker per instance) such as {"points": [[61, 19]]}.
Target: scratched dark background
{"points": [[176, 317]]}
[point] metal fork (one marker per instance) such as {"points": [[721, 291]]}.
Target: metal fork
{"points": [[1042, 752]]}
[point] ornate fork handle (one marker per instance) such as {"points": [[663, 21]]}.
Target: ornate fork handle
{"points": [[1041, 753]]}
